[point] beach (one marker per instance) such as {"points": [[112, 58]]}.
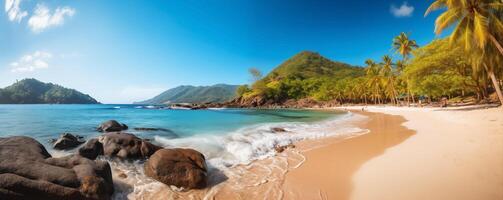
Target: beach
{"points": [[409, 153], [405, 153]]}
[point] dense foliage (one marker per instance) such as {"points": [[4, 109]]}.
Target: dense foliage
{"points": [[306, 75], [32, 91], [465, 64], [194, 94]]}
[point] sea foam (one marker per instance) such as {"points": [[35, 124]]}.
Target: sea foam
{"points": [[258, 142]]}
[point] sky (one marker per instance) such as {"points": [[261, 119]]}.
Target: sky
{"points": [[120, 51]]}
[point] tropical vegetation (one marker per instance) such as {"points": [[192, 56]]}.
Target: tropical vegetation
{"points": [[465, 65], [32, 91]]}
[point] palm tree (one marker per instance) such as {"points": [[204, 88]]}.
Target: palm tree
{"points": [[479, 24], [404, 46], [374, 80], [388, 77]]}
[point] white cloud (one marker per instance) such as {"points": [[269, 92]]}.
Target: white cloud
{"points": [[31, 62], [13, 10], [403, 11], [43, 17]]}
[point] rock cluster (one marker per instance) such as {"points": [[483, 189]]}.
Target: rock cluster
{"points": [[27, 171]]}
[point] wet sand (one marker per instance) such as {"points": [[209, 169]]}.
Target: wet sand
{"points": [[408, 153], [328, 171]]}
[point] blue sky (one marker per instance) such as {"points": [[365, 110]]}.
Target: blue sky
{"points": [[122, 51]]}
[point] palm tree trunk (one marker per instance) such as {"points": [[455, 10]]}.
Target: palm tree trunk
{"points": [[495, 83], [496, 43]]}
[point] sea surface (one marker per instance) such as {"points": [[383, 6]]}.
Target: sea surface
{"points": [[227, 137]]}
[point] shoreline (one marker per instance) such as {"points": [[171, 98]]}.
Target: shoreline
{"points": [[454, 153], [328, 171]]}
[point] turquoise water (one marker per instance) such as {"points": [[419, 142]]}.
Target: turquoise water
{"points": [[45, 122], [226, 137]]}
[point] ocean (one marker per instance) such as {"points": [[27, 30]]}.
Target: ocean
{"points": [[227, 137]]}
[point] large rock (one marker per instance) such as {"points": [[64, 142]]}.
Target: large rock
{"points": [[179, 167], [92, 149], [111, 126], [27, 171], [67, 141], [126, 146]]}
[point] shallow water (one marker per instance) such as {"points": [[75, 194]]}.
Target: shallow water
{"points": [[227, 137]]}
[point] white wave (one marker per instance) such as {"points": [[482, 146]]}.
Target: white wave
{"points": [[240, 147], [258, 142]]}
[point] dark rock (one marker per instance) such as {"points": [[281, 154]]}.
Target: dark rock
{"points": [[126, 146], [179, 167], [92, 149], [67, 141], [152, 129], [280, 149], [122, 175], [27, 171], [111, 126], [278, 130]]}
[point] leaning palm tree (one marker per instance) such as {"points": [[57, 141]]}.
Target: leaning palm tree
{"points": [[478, 25]]}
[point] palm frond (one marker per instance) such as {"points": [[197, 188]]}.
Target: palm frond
{"points": [[435, 6], [447, 19], [480, 25]]}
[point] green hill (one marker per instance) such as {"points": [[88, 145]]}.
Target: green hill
{"points": [[309, 64], [194, 94], [307, 75], [32, 91]]}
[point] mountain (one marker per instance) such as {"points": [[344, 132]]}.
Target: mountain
{"points": [[307, 64], [194, 94], [305, 76], [32, 91]]}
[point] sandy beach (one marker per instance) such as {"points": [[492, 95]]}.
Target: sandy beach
{"points": [[409, 153]]}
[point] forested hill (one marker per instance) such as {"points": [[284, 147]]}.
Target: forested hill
{"points": [[194, 94], [307, 75], [32, 91]]}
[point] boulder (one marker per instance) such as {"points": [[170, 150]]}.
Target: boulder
{"points": [[278, 129], [126, 146], [179, 167], [67, 141], [27, 171], [111, 126], [92, 149]]}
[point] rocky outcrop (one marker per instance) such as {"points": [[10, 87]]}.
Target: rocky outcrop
{"points": [[111, 126], [67, 141], [27, 171], [126, 146], [261, 102], [179, 167], [92, 149]]}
